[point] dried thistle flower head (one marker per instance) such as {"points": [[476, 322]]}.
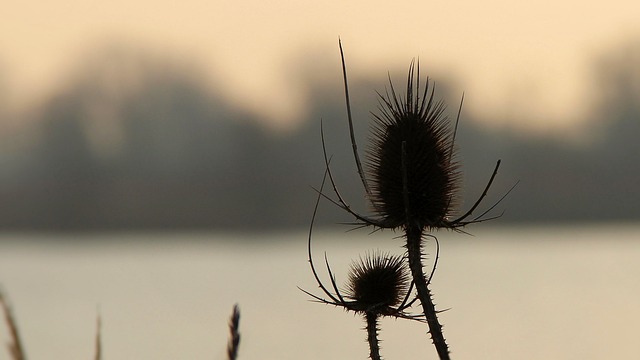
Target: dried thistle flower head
{"points": [[378, 283], [411, 163], [415, 177]]}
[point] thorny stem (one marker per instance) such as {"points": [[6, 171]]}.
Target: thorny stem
{"points": [[372, 335], [414, 250]]}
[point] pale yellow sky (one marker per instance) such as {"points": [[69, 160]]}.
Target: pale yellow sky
{"points": [[509, 57]]}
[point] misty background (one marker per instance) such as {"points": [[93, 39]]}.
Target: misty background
{"points": [[136, 140]]}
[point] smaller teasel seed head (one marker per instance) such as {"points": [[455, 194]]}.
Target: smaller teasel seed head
{"points": [[378, 283]]}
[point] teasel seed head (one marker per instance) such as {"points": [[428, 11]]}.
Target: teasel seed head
{"points": [[411, 159], [378, 283]]}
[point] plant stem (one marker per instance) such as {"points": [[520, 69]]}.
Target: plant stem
{"points": [[234, 334], [372, 336], [414, 250], [15, 345]]}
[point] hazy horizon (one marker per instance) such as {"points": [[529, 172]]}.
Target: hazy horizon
{"points": [[170, 119], [140, 141]]}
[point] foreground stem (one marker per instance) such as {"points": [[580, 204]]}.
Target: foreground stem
{"points": [[414, 250], [372, 335], [234, 334], [15, 345]]}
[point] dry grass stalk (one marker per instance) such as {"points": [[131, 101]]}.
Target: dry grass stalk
{"points": [[98, 338], [234, 334], [14, 345]]}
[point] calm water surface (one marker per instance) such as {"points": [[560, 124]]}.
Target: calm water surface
{"points": [[515, 293]]}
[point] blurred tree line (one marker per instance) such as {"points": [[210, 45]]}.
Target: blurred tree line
{"points": [[138, 142]]}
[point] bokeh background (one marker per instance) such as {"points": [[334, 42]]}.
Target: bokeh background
{"points": [[157, 160], [206, 114]]}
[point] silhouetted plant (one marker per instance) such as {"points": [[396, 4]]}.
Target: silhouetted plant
{"points": [[414, 177], [15, 345], [98, 355], [234, 334], [378, 285]]}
